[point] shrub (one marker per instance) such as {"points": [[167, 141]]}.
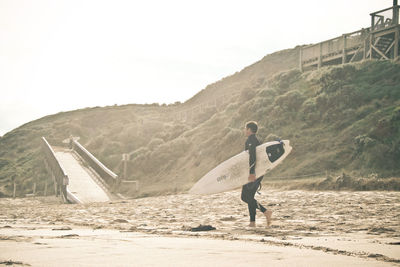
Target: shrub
{"points": [[154, 143], [309, 111], [247, 94], [4, 163], [231, 135], [290, 101], [267, 93], [112, 149], [363, 141], [283, 80], [334, 79], [150, 128], [141, 152]]}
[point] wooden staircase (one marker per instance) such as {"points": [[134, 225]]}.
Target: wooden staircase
{"points": [[383, 47]]}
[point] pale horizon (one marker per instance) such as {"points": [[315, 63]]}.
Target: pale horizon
{"points": [[67, 55]]}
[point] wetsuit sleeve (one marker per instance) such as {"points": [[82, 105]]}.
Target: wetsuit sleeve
{"points": [[252, 158]]}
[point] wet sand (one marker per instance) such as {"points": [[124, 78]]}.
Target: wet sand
{"points": [[309, 229]]}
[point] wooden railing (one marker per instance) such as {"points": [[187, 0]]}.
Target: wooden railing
{"points": [[385, 18], [106, 174], [56, 171], [341, 46]]}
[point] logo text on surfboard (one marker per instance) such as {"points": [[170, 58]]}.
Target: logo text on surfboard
{"points": [[222, 178]]}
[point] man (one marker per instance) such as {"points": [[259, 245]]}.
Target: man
{"points": [[249, 189]]}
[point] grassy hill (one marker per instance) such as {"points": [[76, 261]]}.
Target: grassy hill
{"points": [[342, 118]]}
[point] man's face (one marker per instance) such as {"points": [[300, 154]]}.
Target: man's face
{"points": [[247, 131]]}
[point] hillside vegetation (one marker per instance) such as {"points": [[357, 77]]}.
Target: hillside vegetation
{"points": [[339, 119]]}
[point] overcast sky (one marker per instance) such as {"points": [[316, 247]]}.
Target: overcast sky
{"points": [[61, 55]]}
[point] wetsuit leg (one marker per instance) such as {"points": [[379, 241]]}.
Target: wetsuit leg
{"points": [[248, 192]]}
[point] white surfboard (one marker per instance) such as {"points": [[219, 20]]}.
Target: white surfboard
{"points": [[234, 172]]}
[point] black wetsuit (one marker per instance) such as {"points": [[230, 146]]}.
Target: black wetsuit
{"points": [[250, 189]]}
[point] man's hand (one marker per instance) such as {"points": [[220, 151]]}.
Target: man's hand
{"points": [[252, 177]]}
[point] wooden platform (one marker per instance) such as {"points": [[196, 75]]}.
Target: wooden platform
{"points": [[379, 41]]}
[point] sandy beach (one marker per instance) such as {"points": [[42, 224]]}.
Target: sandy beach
{"points": [[309, 229]]}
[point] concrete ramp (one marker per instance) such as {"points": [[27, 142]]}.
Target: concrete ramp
{"points": [[82, 184]]}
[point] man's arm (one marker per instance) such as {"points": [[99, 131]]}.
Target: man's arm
{"points": [[252, 162]]}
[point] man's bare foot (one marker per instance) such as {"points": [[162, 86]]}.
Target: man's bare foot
{"points": [[252, 224], [268, 215]]}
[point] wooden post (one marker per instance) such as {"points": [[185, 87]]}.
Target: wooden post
{"points": [[125, 169], [15, 189], [320, 56], [370, 45], [301, 60], [396, 44], [372, 22], [344, 49], [34, 189], [45, 189], [125, 161], [365, 48], [395, 13]]}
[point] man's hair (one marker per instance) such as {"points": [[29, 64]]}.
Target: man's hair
{"points": [[252, 125]]}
